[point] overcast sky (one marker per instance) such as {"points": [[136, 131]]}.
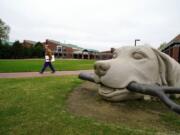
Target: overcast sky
{"points": [[95, 24]]}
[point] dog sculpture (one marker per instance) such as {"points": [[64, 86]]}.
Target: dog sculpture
{"points": [[135, 71], [140, 64]]}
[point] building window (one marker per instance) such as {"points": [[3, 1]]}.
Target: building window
{"points": [[59, 49]]}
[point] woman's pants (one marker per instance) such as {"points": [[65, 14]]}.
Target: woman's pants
{"points": [[46, 64]]}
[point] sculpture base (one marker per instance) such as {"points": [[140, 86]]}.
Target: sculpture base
{"points": [[85, 101]]}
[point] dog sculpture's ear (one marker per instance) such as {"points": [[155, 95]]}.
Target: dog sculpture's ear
{"points": [[168, 68]]}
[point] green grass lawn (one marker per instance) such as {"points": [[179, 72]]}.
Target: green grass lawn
{"points": [[37, 106], [36, 65]]}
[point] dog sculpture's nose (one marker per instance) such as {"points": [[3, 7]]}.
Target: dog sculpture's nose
{"points": [[101, 68]]}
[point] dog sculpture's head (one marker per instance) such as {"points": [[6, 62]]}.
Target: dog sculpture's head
{"points": [[140, 64]]}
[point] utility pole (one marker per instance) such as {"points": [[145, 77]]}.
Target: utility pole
{"points": [[136, 41]]}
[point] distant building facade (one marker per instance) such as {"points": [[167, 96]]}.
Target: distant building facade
{"points": [[106, 54], [62, 50], [86, 54], [173, 48]]}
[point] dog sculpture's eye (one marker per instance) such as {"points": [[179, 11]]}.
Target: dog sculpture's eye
{"points": [[139, 55]]}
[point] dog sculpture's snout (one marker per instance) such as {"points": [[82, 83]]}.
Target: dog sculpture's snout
{"points": [[101, 68]]}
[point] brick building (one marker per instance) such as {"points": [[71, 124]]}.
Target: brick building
{"points": [[60, 49], [106, 54], [173, 48]]}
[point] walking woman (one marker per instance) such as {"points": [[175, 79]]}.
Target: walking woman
{"points": [[48, 60]]}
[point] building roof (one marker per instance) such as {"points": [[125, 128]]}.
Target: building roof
{"points": [[66, 45], [72, 46], [85, 50], [75, 47], [90, 50], [175, 40], [30, 42], [53, 41]]}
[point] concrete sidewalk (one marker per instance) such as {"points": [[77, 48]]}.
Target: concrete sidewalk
{"points": [[37, 74]]}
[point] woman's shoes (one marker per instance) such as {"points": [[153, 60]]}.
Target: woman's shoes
{"points": [[53, 72]]}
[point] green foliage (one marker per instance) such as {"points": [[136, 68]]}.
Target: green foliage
{"points": [[36, 64], [4, 30], [162, 46], [37, 106], [5, 51], [172, 120], [37, 50], [18, 51]]}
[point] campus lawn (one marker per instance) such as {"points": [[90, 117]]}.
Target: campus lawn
{"points": [[37, 106], [35, 65]]}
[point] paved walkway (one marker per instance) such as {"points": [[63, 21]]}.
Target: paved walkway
{"points": [[37, 74]]}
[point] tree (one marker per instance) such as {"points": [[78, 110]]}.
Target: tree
{"points": [[5, 51], [162, 46], [17, 50], [38, 51], [4, 30]]}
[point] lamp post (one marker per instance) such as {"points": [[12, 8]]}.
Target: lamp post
{"points": [[136, 41]]}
